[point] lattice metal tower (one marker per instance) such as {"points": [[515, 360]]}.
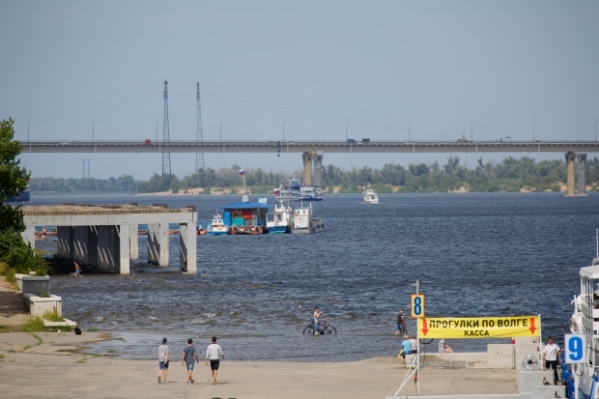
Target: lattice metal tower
{"points": [[199, 133], [166, 156]]}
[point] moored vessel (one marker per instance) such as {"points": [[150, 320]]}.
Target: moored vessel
{"points": [[294, 190], [279, 220], [305, 222]]}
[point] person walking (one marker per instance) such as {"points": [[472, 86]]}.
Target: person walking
{"points": [[187, 359], [163, 361], [213, 354], [77, 269], [401, 323], [551, 357]]}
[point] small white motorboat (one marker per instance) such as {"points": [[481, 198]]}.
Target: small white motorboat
{"points": [[370, 197]]}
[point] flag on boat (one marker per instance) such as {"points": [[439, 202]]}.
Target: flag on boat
{"points": [[241, 172]]}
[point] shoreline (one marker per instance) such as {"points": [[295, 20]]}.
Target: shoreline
{"points": [[50, 365]]}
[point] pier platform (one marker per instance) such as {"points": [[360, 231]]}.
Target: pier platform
{"points": [[107, 236]]}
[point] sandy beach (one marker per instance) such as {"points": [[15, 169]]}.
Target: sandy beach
{"points": [[48, 365]]}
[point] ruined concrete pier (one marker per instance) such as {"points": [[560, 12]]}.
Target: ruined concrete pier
{"points": [[106, 236]]}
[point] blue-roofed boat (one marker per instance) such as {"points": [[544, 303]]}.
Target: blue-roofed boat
{"points": [[246, 217]]}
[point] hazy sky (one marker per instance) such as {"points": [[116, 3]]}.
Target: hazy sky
{"points": [[443, 65]]}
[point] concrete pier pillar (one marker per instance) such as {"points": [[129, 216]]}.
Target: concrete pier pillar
{"points": [[92, 245], [134, 241], [29, 235], [158, 243], [570, 160], [109, 249], [123, 249], [188, 248], [317, 175], [580, 160], [64, 243], [80, 244], [307, 158]]}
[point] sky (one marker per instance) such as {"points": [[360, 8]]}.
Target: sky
{"points": [[308, 70]]}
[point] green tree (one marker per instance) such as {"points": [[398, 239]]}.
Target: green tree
{"points": [[14, 252], [13, 178]]}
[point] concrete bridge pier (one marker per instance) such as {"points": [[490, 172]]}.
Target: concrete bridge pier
{"points": [[64, 243], [582, 190], [570, 177], [134, 241], [307, 158], [188, 248], [158, 240], [312, 175], [317, 175]]}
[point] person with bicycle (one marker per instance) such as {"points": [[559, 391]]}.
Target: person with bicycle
{"points": [[317, 316]]}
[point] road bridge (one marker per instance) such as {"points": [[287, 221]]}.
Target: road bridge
{"points": [[312, 150]]}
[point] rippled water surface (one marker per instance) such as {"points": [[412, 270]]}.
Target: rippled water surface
{"points": [[476, 255]]}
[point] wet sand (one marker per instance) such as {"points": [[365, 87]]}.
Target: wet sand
{"points": [[47, 365]]}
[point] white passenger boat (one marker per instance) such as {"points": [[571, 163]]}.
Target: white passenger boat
{"points": [[370, 197], [305, 222], [294, 190], [585, 320], [279, 220], [217, 226]]}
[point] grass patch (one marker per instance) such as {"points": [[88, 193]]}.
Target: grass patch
{"points": [[84, 360], [27, 347], [1, 357], [4, 329], [35, 324], [93, 329], [121, 339], [110, 351], [53, 316]]}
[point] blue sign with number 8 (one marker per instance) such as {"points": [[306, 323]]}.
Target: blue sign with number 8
{"points": [[417, 305]]}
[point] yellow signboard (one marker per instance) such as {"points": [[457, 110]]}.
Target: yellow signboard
{"points": [[479, 327]]}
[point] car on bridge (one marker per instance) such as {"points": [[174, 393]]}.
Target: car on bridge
{"points": [[352, 141]]}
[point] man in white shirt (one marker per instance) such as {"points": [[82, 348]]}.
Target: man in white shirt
{"points": [[551, 355], [213, 353]]}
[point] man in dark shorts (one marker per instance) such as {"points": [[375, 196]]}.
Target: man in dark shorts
{"points": [[213, 353], [189, 355], [163, 361]]}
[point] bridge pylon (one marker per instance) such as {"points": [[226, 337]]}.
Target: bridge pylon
{"points": [[312, 168]]}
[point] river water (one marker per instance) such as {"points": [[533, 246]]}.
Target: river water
{"points": [[476, 255]]}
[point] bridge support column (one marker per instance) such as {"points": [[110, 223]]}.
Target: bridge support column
{"points": [[122, 249], [80, 243], [158, 244], [188, 248], [92, 245], [109, 249], [317, 175], [64, 243], [134, 241], [307, 158], [580, 159], [29, 235], [570, 176]]}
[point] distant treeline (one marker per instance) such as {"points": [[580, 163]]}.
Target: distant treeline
{"points": [[510, 174]]}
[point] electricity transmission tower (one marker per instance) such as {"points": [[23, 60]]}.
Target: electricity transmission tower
{"points": [[199, 134], [166, 156]]}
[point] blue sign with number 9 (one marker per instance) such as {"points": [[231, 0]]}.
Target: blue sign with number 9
{"points": [[575, 348]]}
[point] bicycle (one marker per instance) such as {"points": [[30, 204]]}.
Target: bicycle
{"points": [[325, 328]]}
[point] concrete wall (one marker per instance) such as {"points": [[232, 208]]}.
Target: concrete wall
{"points": [[38, 305], [498, 356], [33, 284]]}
